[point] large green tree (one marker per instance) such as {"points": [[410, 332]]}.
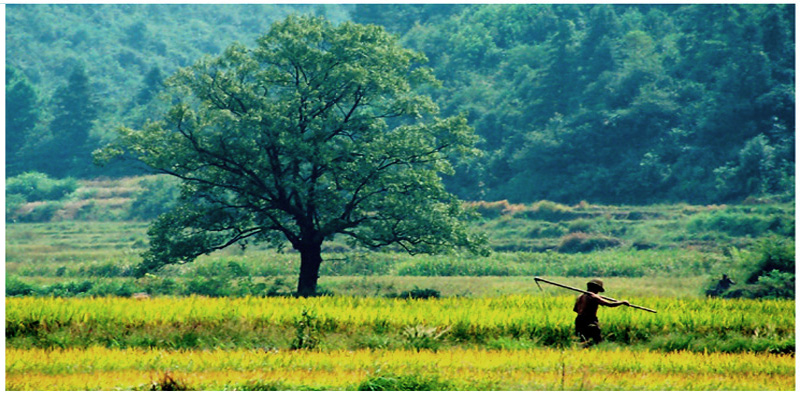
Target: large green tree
{"points": [[317, 131]]}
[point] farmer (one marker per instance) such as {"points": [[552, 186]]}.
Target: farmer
{"points": [[722, 285], [725, 283], [586, 325]]}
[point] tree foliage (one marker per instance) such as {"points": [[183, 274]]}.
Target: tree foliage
{"points": [[604, 103], [22, 114], [317, 131], [618, 103]]}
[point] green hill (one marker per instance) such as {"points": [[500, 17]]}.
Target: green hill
{"points": [[612, 104]]}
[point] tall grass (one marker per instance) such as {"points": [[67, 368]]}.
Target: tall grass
{"points": [[208, 322], [96, 368]]}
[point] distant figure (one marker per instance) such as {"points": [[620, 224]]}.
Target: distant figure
{"points": [[586, 325], [725, 283], [722, 285]]}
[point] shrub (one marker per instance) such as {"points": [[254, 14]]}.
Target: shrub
{"points": [[16, 287], [211, 287], [769, 268], [423, 337], [375, 342], [306, 335], [415, 382], [777, 254], [105, 270], [36, 186], [69, 289], [777, 284], [279, 287], [418, 293], [37, 212], [110, 288], [13, 203], [580, 242], [165, 286], [221, 268], [738, 223]]}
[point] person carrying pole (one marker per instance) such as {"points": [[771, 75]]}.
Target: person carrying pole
{"points": [[586, 324]]}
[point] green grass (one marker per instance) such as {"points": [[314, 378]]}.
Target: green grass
{"points": [[341, 323], [664, 250]]}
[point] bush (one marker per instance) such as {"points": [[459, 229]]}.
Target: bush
{"points": [[423, 337], [110, 288], [13, 203], [415, 382], [106, 270], [41, 212], [580, 242], [36, 186], [418, 293], [306, 332], [221, 268], [777, 254], [777, 284], [165, 286], [769, 268], [738, 223], [16, 287], [211, 287], [69, 289]]}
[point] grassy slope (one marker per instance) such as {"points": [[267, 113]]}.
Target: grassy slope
{"points": [[666, 250]]}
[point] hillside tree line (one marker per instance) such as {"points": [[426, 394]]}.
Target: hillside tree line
{"points": [[604, 103]]}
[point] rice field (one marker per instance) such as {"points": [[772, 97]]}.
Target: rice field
{"points": [[493, 315], [99, 368], [515, 342]]}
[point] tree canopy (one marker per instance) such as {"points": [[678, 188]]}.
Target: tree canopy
{"points": [[317, 131], [616, 104]]}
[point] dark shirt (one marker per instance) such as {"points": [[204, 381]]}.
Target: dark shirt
{"points": [[586, 306]]}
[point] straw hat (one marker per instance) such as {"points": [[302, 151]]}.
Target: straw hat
{"points": [[597, 283]]}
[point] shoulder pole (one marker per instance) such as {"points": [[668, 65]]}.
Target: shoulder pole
{"points": [[537, 280]]}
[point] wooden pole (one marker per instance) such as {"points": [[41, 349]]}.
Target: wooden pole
{"points": [[537, 280]]}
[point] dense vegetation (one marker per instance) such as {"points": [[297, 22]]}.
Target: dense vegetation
{"points": [[84, 238], [605, 103]]}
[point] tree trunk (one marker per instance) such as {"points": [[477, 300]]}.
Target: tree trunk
{"points": [[310, 260]]}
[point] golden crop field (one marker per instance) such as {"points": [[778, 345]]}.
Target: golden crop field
{"points": [[491, 315], [98, 368], [516, 342]]}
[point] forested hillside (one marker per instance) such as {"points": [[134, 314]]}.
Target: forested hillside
{"points": [[604, 103]]}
